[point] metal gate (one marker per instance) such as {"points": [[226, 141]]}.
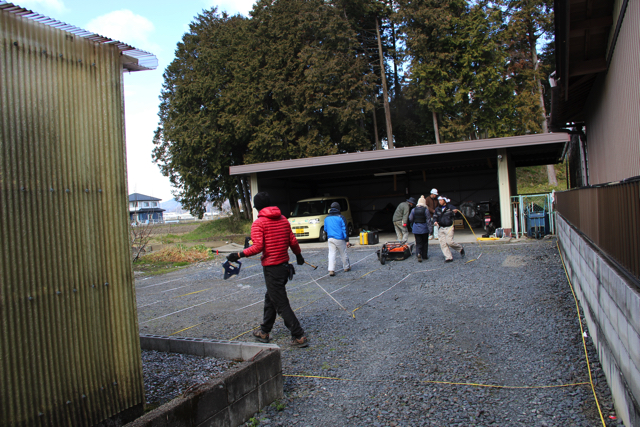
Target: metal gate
{"points": [[526, 207]]}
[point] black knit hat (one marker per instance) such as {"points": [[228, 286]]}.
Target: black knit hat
{"points": [[261, 200], [335, 205]]}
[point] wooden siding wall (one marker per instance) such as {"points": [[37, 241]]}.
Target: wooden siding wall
{"points": [[613, 121], [69, 344]]}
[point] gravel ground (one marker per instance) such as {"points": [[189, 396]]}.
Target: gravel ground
{"points": [[167, 375], [507, 319]]}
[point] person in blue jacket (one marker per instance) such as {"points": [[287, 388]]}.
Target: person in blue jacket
{"points": [[336, 227], [420, 217]]}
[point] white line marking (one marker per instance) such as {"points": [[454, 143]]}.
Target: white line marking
{"points": [[188, 308], [146, 305], [161, 283]]}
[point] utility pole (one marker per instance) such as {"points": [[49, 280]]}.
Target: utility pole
{"points": [[387, 110]]}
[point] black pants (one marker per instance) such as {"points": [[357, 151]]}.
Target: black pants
{"points": [[277, 302], [422, 245]]}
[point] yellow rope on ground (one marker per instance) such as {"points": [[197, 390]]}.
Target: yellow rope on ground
{"points": [[584, 343], [444, 382], [182, 330], [474, 235], [245, 332], [191, 293]]}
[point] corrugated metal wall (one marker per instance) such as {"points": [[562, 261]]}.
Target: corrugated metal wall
{"points": [[608, 216], [69, 346], [613, 125]]}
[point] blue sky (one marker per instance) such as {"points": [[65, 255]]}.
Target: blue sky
{"points": [[156, 27]]}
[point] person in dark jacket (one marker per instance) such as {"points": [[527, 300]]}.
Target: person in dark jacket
{"points": [[401, 218], [420, 218], [271, 234], [432, 204], [444, 219], [336, 227]]}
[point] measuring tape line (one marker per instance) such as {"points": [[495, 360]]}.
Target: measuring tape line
{"points": [[443, 382], [584, 343]]}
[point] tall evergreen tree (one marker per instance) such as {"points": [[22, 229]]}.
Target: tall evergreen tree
{"points": [[308, 85], [364, 16], [197, 141], [290, 82], [530, 25], [458, 66]]}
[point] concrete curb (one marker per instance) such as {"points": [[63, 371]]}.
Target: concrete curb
{"points": [[228, 400]]}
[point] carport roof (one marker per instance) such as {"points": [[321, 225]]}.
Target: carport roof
{"points": [[547, 146]]}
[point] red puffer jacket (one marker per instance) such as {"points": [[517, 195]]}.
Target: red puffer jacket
{"points": [[271, 234]]}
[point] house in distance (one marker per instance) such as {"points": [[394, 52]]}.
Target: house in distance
{"points": [[144, 209]]}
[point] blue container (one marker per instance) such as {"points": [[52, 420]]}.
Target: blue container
{"points": [[538, 221]]}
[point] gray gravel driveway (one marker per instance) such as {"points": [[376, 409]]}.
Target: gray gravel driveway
{"points": [[492, 342]]}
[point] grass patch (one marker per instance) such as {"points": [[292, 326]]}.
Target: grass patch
{"points": [[278, 405], [219, 229], [534, 180], [172, 258], [180, 254]]}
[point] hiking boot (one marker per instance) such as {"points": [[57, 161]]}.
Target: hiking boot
{"points": [[261, 336], [448, 260], [299, 342], [462, 252], [347, 269], [419, 258], [332, 273]]}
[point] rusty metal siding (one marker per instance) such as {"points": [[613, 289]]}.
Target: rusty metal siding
{"points": [[613, 120], [69, 346], [608, 216]]}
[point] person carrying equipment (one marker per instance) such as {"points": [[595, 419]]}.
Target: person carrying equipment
{"points": [[336, 227], [401, 217], [444, 219], [420, 220], [271, 234]]}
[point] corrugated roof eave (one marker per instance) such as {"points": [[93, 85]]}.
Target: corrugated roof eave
{"points": [[421, 150]]}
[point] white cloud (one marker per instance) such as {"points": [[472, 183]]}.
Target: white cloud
{"points": [[43, 6], [127, 27]]}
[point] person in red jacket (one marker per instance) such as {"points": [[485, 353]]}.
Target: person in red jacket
{"points": [[271, 234]]}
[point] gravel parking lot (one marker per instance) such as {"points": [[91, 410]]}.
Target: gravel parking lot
{"points": [[492, 342]]}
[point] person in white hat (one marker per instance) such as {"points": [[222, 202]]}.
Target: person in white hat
{"points": [[444, 219], [432, 204]]}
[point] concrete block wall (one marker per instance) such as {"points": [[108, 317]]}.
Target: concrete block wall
{"points": [[611, 305], [228, 400]]}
